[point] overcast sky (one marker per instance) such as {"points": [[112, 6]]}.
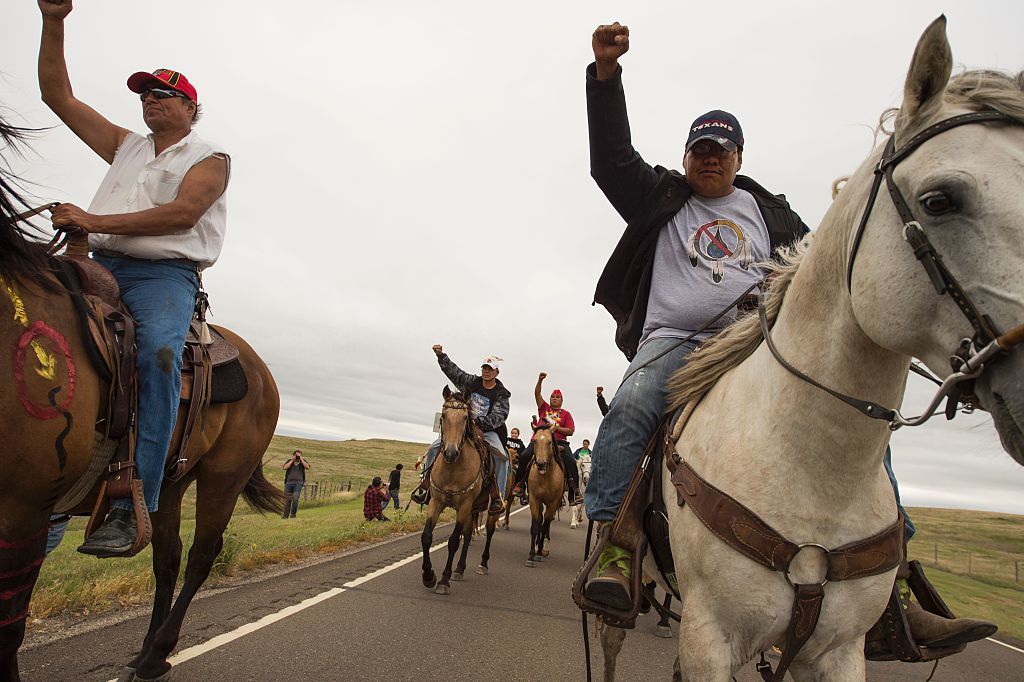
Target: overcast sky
{"points": [[410, 173]]}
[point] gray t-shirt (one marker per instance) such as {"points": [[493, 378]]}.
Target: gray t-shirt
{"points": [[703, 261]]}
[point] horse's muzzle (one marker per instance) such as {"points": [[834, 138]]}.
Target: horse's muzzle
{"points": [[451, 454]]}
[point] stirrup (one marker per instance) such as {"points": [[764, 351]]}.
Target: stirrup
{"points": [[613, 617]]}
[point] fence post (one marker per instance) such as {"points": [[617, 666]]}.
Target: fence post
{"points": [[349, 488]]}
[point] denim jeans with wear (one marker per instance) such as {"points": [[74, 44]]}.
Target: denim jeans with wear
{"points": [[633, 415], [500, 465], [291, 504], [908, 526], [161, 296]]}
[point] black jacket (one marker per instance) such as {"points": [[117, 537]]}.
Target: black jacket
{"points": [[468, 383], [647, 198]]}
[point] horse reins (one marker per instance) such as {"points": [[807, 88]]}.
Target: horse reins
{"points": [[969, 360]]}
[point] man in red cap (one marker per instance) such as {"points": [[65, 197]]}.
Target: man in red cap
{"points": [[156, 221], [562, 426]]}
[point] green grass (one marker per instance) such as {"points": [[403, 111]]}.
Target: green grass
{"points": [[976, 554], [72, 582]]}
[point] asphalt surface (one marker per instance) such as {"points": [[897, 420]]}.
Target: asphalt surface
{"points": [[359, 617]]}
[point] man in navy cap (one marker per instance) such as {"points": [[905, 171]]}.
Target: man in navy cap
{"points": [[688, 251], [157, 220]]}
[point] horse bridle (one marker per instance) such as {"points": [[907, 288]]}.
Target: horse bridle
{"points": [[453, 404], [968, 361]]}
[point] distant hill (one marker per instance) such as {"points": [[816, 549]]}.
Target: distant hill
{"points": [[357, 461]]}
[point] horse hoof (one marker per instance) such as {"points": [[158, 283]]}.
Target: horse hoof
{"points": [[430, 581], [545, 552], [442, 589], [663, 631], [574, 525], [456, 576], [127, 674], [481, 570], [166, 677], [530, 563]]}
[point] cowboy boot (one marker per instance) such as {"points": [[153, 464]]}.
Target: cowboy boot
{"points": [[611, 586], [114, 537], [931, 630]]}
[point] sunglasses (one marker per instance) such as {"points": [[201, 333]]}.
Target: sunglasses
{"points": [[161, 93], [709, 148]]}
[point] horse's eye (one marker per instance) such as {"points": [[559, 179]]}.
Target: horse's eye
{"points": [[937, 203]]}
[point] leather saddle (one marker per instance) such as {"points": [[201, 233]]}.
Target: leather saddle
{"points": [[108, 332]]}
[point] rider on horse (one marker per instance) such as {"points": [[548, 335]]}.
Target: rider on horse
{"points": [[157, 220], [562, 426], [489, 402], [712, 225]]}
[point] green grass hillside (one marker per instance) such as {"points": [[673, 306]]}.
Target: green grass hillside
{"points": [[357, 461]]}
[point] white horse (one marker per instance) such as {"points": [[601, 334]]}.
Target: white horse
{"points": [[807, 463]]}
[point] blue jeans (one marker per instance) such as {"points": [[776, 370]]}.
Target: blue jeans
{"points": [[908, 526], [500, 465], [291, 504], [161, 296], [632, 417], [56, 533], [393, 495]]}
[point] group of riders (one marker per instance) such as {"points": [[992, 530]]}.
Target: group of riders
{"points": [[488, 401], [691, 244]]}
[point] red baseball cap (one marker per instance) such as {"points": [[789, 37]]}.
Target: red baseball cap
{"points": [[162, 78], [556, 393]]}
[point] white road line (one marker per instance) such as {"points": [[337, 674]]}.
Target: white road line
{"points": [[249, 628], [1019, 651]]}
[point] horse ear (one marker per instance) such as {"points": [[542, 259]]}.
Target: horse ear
{"points": [[929, 72], [447, 392]]}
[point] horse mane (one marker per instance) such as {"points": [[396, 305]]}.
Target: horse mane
{"points": [[736, 342], [22, 257], [977, 90]]}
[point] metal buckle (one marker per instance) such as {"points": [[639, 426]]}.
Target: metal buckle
{"points": [[825, 551], [911, 223]]}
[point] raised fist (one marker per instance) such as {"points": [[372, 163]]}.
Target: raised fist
{"points": [[542, 376], [58, 9], [437, 349], [600, 390], [610, 42]]}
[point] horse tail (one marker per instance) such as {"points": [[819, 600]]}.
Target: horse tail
{"points": [[262, 495]]}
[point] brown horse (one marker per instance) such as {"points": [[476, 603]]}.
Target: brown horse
{"points": [[456, 481], [49, 409], [546, 483]]}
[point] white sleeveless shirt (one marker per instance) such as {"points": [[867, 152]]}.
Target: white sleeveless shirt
{"points": [[139, 180]]}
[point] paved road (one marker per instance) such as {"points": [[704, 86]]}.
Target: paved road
{"points": [[360, 616]]}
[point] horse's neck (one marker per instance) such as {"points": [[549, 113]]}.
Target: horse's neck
{"points": [[817, 333]]}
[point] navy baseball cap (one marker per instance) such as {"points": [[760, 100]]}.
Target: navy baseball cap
{"points": [[718, 126]]}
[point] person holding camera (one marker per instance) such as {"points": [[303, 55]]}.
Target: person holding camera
{"points": [[373, 500], [294, 479]]}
